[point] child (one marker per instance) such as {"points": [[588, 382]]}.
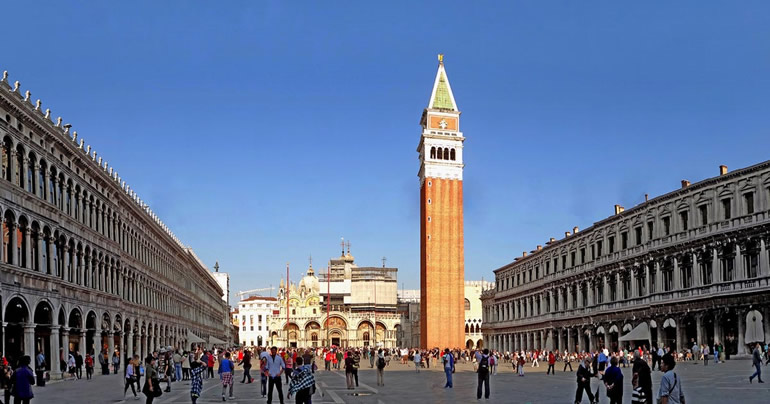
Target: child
{"points": [[196, 380], [637, 396]]}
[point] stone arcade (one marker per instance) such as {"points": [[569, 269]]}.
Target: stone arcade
{"points": [[86, 264], [688, 266]]}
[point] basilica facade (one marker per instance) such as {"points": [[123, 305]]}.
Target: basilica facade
{"points": [[691, 266], [348, 306], [85, 265]]}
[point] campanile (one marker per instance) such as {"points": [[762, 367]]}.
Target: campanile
{"points": [[442, 258]]}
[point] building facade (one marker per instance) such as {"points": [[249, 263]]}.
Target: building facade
{"points": [[349, 306], [254, 316], [409, 310], [86, 265], [442, 259], [690, 266]]}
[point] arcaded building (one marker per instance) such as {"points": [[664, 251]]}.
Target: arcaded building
{"points": [[86, 264], [690, 266]]}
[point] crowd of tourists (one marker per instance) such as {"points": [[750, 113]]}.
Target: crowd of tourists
{"points": [[152, 376]]}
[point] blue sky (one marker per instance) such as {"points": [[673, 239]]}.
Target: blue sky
{"points": [[262, 132]]}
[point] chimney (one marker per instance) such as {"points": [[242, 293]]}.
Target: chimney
{"points": [[646, 197], [575, 230], [722, 169], [619, 209], [566, 234], [539, 247], [685, 183], [523, 253]]}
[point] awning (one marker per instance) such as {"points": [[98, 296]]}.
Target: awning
{"points": [[628, 327], [754, 327], [669, 323], [614, 328], [194, 339], [214, 340], [600, 330], [641, 332]]}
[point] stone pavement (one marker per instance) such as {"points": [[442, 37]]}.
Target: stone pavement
{"points": [[723, 383]]}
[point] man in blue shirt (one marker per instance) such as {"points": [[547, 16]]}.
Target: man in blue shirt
{"points": [[226, 367], [273, 370], [449, 367]]}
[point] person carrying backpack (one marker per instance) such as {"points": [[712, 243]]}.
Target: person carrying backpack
{"points": [[380, 368], [483, 373]]}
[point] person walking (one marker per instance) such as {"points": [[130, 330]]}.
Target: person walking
{"points": [[302, 383], [24, 379], [226, 368], [185, 366], [151, 387], [212, 358], [705, 351], [482, 373], [449, 367], [79, 364], [274, 368], [130, 379], [670, 391], [103, 362], [115, 362], [380, 368], [246, 362], [356, 365], [71, 366], [613, 381], [196, 370], [372, 355], [40, 368], [177, 358], [263, 373], [89, 362], [584, 376], [520, 365], [641, 371], [756, 360], [6, 379], [417, 360], [567, 362], [349, 370], [551, 363]]}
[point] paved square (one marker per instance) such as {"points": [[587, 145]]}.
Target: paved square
{"points": [[721, 383]]}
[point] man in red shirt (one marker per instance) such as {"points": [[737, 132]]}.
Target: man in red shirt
{"points": [[551, 362]]}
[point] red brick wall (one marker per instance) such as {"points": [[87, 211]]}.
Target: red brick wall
{"points": [[442, 264]]}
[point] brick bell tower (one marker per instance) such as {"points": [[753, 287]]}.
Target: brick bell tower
{"points": [[442, 257]]}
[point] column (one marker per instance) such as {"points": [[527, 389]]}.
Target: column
{"points": [[766, 316], [83, 348], [696, 275], [55, 340], [590, 341], [552, 300], [661, 334], [716, 274], [717, 337], [560, 298], [634, 273], [590, 293], [763, 268], [29, 340], [579, 296], [677, 277], [12, 241], [129, 343], [741, 330], [618, 287], [111, 345], [606, 280], [570, 345], [739, 268], [658, 277], [28, 250], [647, 278], [39, 248], [699, 328], [65, 341], [143, 350], [569, 296]]}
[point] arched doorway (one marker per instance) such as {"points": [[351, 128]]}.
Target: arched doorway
{"points": [[600, 338], [729, 327], [365, 331], [480, 344], [380, 334], [669, 334], [337, 329], [292, 333], [654, 333], [312, 330], [613, 338], [75, 324], [90, 347], [469, 343], [690, 328], [16, 316], [43, 322]]}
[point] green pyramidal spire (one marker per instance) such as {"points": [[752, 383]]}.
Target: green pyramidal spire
{"points": [[442, 97]]}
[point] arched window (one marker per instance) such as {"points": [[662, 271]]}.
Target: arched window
{"points": [[446, 154], [452, 154], [467, 304], [31, 173], [433, 152], [7, 158], [366, 338], [466, 328], [41, 180]]}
